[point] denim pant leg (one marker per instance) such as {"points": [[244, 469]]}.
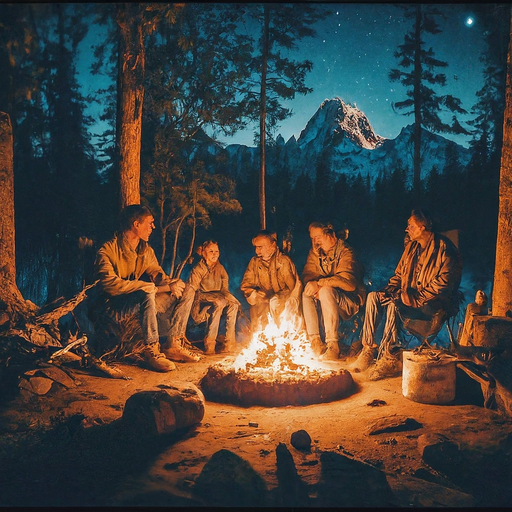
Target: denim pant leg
{"points": [[329, 299], [372, 318], [310, 315], [165, 304], [219, 304], [179, 317], [121, 306], [231, 314]]}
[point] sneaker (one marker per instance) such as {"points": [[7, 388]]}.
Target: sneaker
{"points": [[317, 345], [364, 360], [179, 352], [156, 360], [385, 368], [209, 347]]}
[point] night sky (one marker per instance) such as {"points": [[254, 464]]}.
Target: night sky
{"points": [[353, 53]]}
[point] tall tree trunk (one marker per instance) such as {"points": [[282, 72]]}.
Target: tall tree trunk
{"points": [[263, 116], [417, 107], [502, 289], [7, 248], [130, 100], [12, 304]]}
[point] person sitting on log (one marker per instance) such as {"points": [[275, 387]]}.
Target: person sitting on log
{"points": [[333, 280], [132, 281], [206, 297], [424, 286], [270, 282]]}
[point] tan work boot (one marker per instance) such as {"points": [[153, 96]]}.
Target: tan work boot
{"points": [[364, 360], [209, 347], [229, 345], [317, 345], [332, 353], [386, 367], [177, 351], [156, 360]]}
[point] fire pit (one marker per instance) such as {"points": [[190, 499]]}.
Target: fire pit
{"points": [[277, 368]]}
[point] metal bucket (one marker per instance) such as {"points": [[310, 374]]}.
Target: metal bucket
{"points": [[428, 377]]}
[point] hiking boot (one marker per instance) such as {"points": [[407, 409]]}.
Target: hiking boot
{"points": [[209, 347], [317, 345], [156, 360], [331, 354], [385, 368], [364, 360], [333, 351], [229, 346], [178, 351]]}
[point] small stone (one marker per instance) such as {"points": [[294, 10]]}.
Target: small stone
{"points": [[301, 440]]}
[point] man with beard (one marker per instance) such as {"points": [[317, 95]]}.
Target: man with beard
{"points": [[424, 287], [333, 280]]}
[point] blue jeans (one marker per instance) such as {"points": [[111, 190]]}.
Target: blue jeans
{"points": [[376, 305], [175, 321], [120, 307], [220, 303], [333, 304]]}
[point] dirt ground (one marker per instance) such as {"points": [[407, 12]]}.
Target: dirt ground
{"points": [[64, 448]]}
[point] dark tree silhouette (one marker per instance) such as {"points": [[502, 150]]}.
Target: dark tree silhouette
{"points": [[276, 77], [418, 73]]}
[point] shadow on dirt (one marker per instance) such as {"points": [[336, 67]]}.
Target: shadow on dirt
{"points": [[69, 465]]}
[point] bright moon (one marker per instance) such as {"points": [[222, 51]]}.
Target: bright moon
{"points": [[469, 21]]}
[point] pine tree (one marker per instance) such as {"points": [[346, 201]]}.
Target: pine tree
{"points": [[275, 76], [130, 88], [419, 75], [195, 68]]}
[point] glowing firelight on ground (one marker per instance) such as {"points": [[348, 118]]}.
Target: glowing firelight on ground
{"points": [[281, 347]]}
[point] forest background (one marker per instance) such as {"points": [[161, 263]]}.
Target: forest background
{"points": [[203, 78]]}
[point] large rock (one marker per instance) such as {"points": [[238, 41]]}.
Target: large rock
{"points": [[301, 440], [163, 411], [227, 480]]}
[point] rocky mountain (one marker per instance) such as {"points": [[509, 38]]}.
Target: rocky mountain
{"points": [[342, 136]]}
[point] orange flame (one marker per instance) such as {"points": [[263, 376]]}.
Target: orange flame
{"points": [[281, 347]]}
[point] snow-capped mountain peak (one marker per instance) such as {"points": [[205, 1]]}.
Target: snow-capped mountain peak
{"points": [[335, 121]]}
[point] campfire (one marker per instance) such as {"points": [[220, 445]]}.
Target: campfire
{"points": [[276, 368]]}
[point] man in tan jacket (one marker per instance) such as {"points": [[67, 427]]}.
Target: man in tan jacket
{"points": [[333, 279], [131, 279]]}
